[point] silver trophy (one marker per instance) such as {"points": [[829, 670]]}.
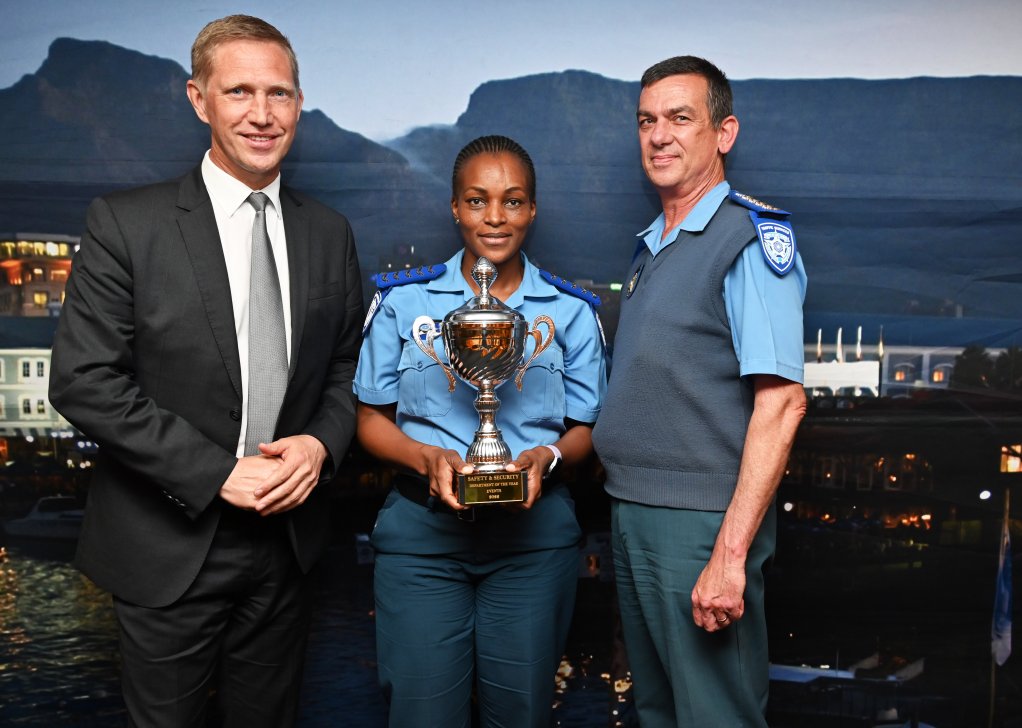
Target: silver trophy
{"points": [[485, 344]]}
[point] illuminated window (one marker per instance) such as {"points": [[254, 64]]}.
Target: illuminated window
{"points": [[1011, 458], [904, 372], [40, 406], [38, 273], [40, 299], [58, 274], [941, 373]]}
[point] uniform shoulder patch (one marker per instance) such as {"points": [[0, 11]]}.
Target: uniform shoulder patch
{"points": [[386, 281], [776, 238], [568, 287]]}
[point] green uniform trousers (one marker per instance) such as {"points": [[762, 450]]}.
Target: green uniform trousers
{"points": [[683, 676]]}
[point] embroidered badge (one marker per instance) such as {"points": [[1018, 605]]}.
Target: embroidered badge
{"points": [[776, 237], [599, 325], [375, 304], [778, 242], [630, 289]]}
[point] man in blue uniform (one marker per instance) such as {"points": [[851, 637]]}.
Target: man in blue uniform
{"points": [[704, 400]]}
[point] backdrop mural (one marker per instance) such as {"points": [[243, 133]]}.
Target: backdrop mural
{"points": [[891, 133]]}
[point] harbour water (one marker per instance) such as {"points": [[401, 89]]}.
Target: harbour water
{"points": [[828, 605], [58, 659]]}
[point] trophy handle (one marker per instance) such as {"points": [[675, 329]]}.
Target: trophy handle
{"points": [[541, 344], [424, 333]]}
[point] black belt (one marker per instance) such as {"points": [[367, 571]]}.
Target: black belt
{"points": [[416, 490]]}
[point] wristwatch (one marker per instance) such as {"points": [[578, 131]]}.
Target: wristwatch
{"points": [[556, 461]]}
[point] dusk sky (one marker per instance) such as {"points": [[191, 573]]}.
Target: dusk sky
{"points": [[380, 68]]}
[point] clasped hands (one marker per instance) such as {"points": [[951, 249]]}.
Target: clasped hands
{"points": [[442, 465], [280, 478]]}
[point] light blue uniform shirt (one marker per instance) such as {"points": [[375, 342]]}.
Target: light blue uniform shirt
{"points": [[568, 380], [763, 308]]}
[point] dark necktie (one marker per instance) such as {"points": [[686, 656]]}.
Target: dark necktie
{"points": [[267, 349]]}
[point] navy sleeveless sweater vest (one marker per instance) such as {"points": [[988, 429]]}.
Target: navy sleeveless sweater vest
{"points": [[673, 423]]}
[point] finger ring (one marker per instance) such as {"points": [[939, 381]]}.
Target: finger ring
{"points": [[722, 619]]}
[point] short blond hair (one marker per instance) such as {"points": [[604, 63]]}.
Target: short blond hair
{"points": [[235, 27]]}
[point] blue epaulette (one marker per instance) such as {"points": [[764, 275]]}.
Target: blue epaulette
{"points": [[568, 287], [776, 238], [578, 291], [386, 281], [391, 278]]}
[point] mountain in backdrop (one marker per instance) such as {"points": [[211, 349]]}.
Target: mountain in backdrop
{"points": [[97, 117], [906, 194]]}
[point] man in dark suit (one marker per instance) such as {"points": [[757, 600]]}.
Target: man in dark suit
{"points": [[208, 342]]}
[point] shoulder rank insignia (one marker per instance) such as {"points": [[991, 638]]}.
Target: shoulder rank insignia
{"points": [[391, 278], [776, 237], [386, 281], [578, 291], [568, 287]]}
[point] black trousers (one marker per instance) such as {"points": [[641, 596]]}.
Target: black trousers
{"points": [[238, 634]]}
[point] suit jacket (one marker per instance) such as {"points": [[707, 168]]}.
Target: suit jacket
{"points": [[146, 362]]}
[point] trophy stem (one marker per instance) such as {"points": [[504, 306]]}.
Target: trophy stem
{"points": [[488, 451]]}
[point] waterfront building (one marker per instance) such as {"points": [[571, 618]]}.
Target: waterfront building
{"points": [[25, 409], [851, 355], [34, 268]]}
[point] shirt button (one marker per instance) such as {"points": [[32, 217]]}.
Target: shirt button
{"points": [[236, 414]]}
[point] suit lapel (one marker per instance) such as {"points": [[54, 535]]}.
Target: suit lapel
{"points": [[298, 236], [205, 252]]}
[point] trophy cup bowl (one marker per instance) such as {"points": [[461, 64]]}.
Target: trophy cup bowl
{"points": [[485, 344]]}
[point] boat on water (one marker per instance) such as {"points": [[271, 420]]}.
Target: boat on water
{"points": [[54, 518]]}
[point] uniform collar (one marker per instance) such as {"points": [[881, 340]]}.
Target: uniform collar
{"points": [[695, 221], [532, 286]]}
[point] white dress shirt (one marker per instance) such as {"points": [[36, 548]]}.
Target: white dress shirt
{"points": [[234, 218]]}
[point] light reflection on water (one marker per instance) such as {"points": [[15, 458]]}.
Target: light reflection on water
{"points": [[59, 664], [58, 644]]}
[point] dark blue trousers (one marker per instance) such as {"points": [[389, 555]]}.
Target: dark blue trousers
{"points": [[446, 623]]}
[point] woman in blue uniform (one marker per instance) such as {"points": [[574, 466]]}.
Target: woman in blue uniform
{"points": [[481, 604]]}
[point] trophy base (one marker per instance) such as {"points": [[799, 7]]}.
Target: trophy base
{"points": [[479, 489]]}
